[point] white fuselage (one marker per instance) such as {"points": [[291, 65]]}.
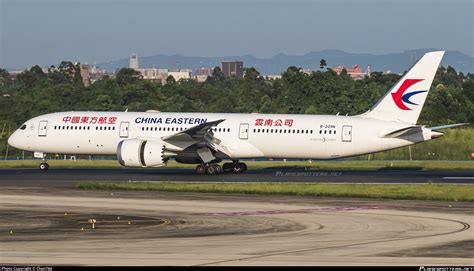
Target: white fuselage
{"points": [[242, 135]]}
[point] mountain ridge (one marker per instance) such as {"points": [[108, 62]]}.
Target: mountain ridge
{"points": [[394, 62]]}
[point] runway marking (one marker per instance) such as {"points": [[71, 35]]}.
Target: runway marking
{"points": [[298, 211], [461, 178]]}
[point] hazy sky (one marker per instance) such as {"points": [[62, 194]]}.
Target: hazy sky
{"points": [[47, 31]]}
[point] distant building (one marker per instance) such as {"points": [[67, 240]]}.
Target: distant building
{"points": [[272, 76], [355, 71], [178, 75], [133, 62], [201, 74], [154, 74], [200, 78], [233, 68], [204, 71], [86, 78]]}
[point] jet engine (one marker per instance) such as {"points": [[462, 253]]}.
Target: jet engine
{"points": [[142, 153]]}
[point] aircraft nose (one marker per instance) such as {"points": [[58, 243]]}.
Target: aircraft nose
{"points": [[13, 140]]}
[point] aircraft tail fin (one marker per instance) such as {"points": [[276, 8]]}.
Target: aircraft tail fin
{"points": [[404, 101]]}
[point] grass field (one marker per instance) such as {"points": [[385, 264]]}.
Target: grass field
{"points": [[444, 192], [315, 165]]}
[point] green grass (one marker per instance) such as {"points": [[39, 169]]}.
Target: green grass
{"points": [[61, 164], [444, 192], [276, 165]]}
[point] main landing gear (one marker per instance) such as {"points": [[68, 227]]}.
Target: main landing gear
{"points": [[44, 166], [213, 169]]}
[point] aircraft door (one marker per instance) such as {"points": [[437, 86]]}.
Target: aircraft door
{"points": [[244, 131], [124, 127], [346, 133], [43, 125]]}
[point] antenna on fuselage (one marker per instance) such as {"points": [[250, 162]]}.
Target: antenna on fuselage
{"points": [[126, 110], [337, 114]]}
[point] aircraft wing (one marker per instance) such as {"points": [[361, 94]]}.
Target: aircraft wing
{"points": [[195, 133], [201, 133]]}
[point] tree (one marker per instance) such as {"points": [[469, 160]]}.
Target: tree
{"points": [[322, 64], [217, 75], [251, 74], [127, 76], [311, 110], [170, 80]]}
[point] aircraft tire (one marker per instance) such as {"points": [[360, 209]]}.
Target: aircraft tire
{"points": [[212, 169], [227, 167], [201, 169], [239, 167], [43, 166]]}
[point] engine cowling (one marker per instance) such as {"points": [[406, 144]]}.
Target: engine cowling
{"points": [[141, 153]]}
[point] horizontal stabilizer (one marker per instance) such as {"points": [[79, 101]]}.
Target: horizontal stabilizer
{"points": [[434, 128]]}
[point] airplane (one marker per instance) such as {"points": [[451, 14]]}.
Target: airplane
{"points": [[150, 139]]}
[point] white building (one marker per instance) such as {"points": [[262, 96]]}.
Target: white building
{"points": [[133, 62], [178, 75]]}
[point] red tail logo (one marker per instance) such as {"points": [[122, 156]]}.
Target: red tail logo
{"points": [[398, 96]]}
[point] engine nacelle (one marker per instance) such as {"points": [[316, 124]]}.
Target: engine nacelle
{"points": [[141, 153]]}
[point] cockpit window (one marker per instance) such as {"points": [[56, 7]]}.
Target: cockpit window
{"points": [[23, 127]]}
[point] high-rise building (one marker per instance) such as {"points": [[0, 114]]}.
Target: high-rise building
{"points": [[233, 68], [133, 62]]}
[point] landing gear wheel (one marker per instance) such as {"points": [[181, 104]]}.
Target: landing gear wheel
{"points": [[239, 167], [43, 166], [200, 169], [219, 169], [227, 167], [212, 170]]}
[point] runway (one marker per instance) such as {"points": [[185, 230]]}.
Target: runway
{"points": [[70, 177], [48, 226], [46, 221]]}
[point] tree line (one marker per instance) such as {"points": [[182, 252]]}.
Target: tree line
{"points": [[34, 92]]}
